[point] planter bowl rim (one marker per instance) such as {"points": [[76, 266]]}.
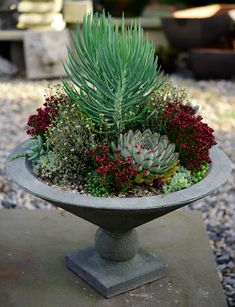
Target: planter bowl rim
{"points": [[20, 171]]}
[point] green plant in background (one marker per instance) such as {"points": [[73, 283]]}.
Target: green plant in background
{"points": [[151, 153], [167, 58], [113, 71]]}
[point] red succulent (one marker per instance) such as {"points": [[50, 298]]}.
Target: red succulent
{"points": [[192, 137], [116, 172], [40, 122]]}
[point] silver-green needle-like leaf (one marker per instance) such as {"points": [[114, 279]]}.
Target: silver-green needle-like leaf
{"points": [[112, 71]]}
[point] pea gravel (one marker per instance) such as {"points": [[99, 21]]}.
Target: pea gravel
{"points": [[19, 98]]}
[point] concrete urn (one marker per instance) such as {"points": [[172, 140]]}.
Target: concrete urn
{"points": [[116, 263]]}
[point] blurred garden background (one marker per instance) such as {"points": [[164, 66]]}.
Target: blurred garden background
{"points": [[196, 48]]}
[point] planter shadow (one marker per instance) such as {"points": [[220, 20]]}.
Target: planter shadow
{"points": [[116, 263]]}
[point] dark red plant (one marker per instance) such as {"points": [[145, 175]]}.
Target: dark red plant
{"points": [[117, 173], [158, 183], [40, 122], [192, 137]]}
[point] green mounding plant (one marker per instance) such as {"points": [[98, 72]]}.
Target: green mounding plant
{"points": [[180, 180], [69, 138], [151, 153], [113, 70]]}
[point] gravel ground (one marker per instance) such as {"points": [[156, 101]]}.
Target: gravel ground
{"points": [[19, 98]]}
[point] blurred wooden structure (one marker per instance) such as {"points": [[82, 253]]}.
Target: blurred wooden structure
{"points": [[43, 15], [40, 16]]}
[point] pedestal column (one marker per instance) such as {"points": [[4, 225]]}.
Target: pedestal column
{"points": [[116, 246]]}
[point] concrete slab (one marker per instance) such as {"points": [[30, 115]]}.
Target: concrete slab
{"points": [[33, 273]]}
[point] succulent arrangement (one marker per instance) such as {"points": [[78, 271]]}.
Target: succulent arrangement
{"points": [[117, 126]]}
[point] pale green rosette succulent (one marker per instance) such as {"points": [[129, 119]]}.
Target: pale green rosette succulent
{"points": [[152, 153]]}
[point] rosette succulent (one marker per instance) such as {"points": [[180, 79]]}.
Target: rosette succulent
{"points": [[37, 149], [152, 153]]}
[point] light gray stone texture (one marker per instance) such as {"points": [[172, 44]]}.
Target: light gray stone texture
{"points": [[116, 246], [7, 68], [44, 52], [32, 271]]}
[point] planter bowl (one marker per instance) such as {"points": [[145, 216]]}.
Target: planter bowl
{"points": [[116, 264], [186, 33], [212, 63]]}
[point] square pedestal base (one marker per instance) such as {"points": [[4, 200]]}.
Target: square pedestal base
{"points": [[110, 277]]}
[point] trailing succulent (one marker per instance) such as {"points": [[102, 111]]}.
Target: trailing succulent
{"points": [[119, 125], [36, 150]]}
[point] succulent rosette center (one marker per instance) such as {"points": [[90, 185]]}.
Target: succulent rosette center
{"points": [[151, 154]]}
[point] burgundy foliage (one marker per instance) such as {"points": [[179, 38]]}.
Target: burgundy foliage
{"points": [[40, 122], [158, 183], [117, 172], [192, 137]]}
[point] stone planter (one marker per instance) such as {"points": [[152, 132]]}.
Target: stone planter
{"points": [[116, 263], [213, 63]]}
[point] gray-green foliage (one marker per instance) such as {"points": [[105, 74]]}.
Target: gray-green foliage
{"points": [[149, 151], [113, 70], [47, 167], [36, 150]]}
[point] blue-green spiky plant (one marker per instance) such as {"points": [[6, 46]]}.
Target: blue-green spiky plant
{"points": [[113, 70]]}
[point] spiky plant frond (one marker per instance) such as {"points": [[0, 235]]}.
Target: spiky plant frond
{"points": [[113, 70]]}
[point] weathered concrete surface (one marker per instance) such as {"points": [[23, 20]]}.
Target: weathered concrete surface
{"points": [[44, 52], [33, 274]]}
